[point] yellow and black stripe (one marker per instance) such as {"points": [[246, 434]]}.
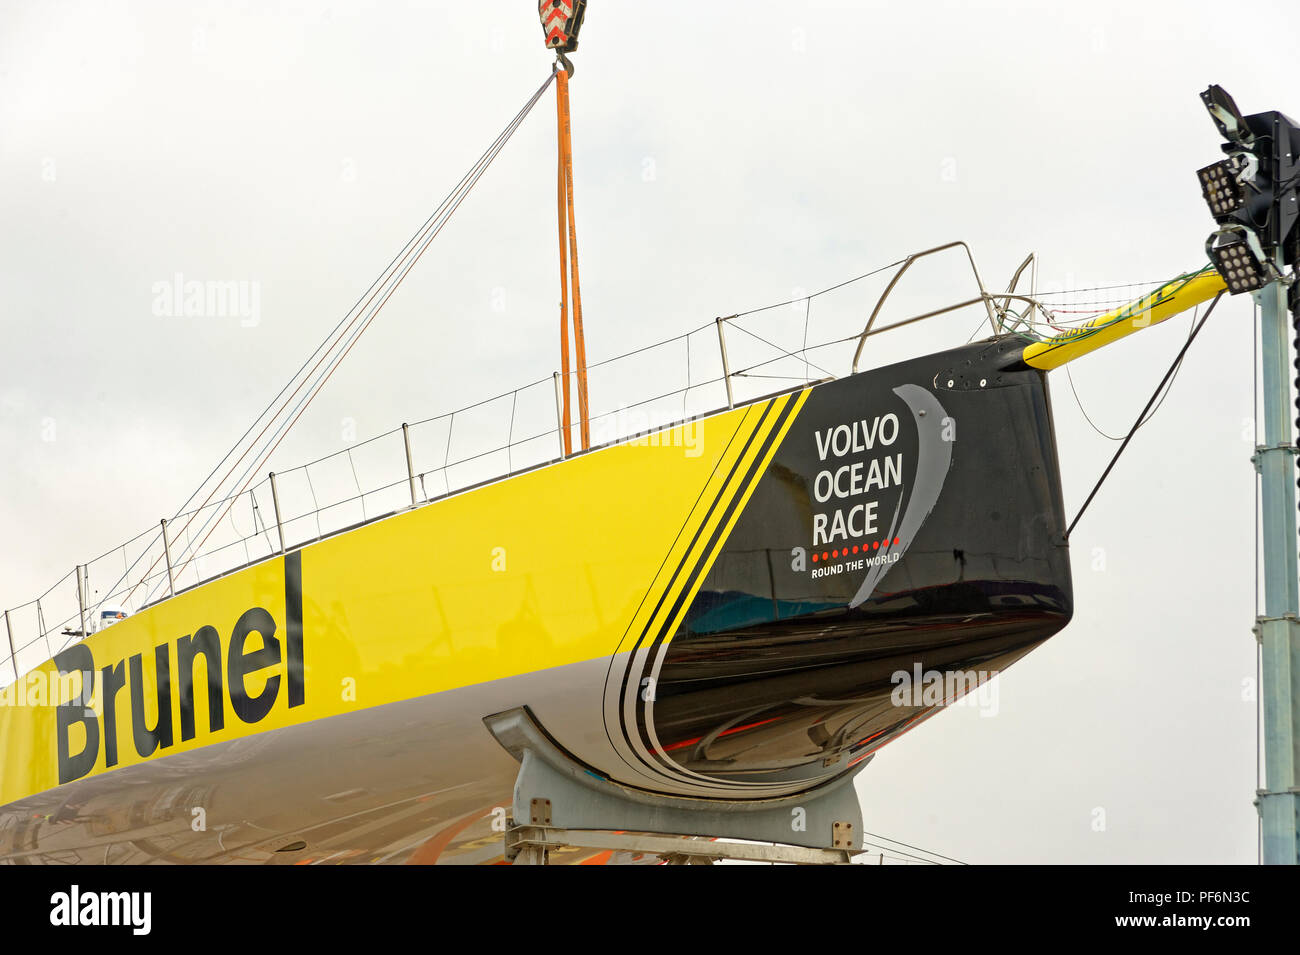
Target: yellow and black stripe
{"points": [[669, 598]]}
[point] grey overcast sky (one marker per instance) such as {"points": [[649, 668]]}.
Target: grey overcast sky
{"points": [[728, 155]]}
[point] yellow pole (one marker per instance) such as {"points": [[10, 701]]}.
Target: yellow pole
{"points": [[1164, 303]]}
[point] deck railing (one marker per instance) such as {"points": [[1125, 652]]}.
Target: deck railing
{"points": [[727, 361]]}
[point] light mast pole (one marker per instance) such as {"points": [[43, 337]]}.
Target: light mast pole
{"points": [[1278, 628], [1254, 196]]}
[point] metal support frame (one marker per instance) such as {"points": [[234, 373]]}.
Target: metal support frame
{"points": [[566, 804], [1011, 287], [1278, 628], [726, 365], [275, 506], [1006, 297], [559, 412], [531, 845], [167, 558], [81, 592], [907, 264], [410, 467]]}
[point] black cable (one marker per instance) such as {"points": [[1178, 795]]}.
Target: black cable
{"points": [[917, 848], [1132, 431], [906, 857], [856, 278], [1159, 405], [784, 353]]}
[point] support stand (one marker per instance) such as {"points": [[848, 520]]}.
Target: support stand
{"points": [[560, 803]]}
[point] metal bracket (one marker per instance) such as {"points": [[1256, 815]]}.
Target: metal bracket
{"points": [[842, 835], [530, 845], [1257, 459], [1258, 628], [569, 804], [539, 812]]}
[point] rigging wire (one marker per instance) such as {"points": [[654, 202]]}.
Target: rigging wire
{"points": [[784, 353], [856, 278], [391, 286], [323, 345], [1173, 369], [385, 284], [937, 855], [1098, 288], [1168, 388]]}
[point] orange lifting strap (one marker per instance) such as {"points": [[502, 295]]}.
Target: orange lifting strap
{"points": [[561, 21]]}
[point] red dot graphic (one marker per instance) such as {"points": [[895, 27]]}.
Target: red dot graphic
{"points": [[875, 545]]}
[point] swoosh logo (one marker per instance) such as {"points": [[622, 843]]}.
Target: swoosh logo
{"points": [[934, 458]]}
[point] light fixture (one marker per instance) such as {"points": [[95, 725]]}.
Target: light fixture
{"points": [[1239, 259], [1222, 183], [1226, 116]]}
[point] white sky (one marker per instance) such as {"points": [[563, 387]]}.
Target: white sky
{"points": [[727, 156]]}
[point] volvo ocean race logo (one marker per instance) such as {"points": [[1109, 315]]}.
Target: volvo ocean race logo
{"points": [[853, 481], [859, 522]]}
